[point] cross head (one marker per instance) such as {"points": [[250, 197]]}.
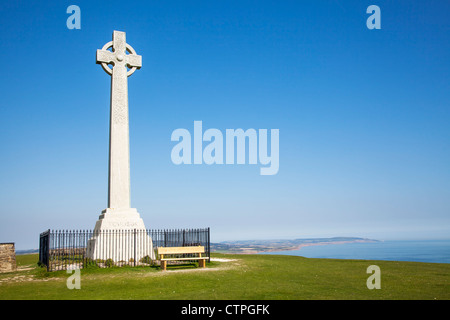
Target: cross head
{"points": [[118, 57]]}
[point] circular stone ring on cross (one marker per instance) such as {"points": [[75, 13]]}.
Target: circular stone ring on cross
{"points": [[119, 57]]}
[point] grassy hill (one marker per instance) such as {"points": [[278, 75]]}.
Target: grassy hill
{"points": [[241, 277]]}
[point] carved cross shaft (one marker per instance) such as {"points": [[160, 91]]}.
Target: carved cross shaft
{"points": [[119, 149]]}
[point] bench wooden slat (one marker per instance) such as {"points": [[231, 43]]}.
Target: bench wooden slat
{"points": [[192, 258], [180, 250]]}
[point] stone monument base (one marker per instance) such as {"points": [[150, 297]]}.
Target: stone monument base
{"points": [[120, 235]]}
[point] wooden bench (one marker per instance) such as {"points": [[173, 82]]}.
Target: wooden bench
{"points": [[163, 252]]}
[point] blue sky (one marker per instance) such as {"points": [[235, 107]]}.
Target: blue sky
{"points": [[363, 116]]}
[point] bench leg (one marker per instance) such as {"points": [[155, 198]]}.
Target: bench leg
{"points": [[201, 263], [163, 265]]}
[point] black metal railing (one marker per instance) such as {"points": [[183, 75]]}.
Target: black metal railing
{"points": [[77, 249], [44, 249]]}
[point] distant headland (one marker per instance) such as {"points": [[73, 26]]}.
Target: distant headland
{"points": [[257, 246]]}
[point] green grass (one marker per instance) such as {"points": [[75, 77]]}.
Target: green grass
{"points": [[249, 277], [26, 259]]}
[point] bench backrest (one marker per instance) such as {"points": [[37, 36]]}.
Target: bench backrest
{"points": [[180, 250]]}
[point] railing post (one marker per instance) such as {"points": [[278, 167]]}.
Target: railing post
{"points": [[209, 245], [47, 249], [135, 247]]}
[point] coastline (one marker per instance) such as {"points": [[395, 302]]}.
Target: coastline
{"points": [[318, 244], [429, 251], [263, 246]]}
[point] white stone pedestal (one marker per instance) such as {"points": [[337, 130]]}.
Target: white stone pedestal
{"points": [[120, 235]]}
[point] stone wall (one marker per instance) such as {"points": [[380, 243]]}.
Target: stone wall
{"points": [[7, 257]]}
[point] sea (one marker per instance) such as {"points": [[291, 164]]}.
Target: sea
{"points": [[437, 251]]}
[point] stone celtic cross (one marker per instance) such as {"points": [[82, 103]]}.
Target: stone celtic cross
{"points": [[119, 216], [119, 150]]}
